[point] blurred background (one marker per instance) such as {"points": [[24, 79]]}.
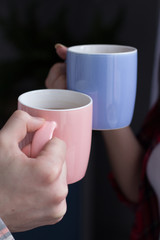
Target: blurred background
{"points": [[29, 30]]}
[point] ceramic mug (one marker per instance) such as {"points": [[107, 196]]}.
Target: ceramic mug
{"points": [[107, 73], [68, 116]]}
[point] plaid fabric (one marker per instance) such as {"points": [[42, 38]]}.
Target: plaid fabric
{"points": [[147, 223], [4, 232]]}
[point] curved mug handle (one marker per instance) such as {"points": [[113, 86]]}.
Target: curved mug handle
{"points": [[41, 137]]}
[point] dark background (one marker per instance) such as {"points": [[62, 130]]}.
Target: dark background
{"points": [[28, 31]]}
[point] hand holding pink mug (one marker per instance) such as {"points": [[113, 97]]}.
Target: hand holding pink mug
{"points": [[68, 116]]}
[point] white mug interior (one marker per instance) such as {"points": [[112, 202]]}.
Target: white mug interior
{"points": [[101, 49], [54, 99]]}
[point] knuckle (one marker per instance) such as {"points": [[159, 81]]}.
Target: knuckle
{"points": [[60, 145], [49, 173], [52, 174], [61, 196], [21, 115], [58, 211]]}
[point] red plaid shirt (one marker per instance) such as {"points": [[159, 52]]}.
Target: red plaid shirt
{"points": [[4, 232], [147, 223]]}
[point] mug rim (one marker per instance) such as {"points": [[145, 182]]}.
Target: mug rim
{"points": [[21, 100], [81, 49]]}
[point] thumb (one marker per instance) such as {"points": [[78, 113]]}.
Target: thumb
{"points": [[61, 50]]}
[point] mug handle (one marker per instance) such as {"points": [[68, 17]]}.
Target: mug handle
{"points": [[41, 137]]}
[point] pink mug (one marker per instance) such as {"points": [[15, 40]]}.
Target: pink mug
{"points": [[68, 116]]}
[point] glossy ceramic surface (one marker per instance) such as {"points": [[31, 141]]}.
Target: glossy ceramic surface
{"points": [[108, 73], [72, 124]]}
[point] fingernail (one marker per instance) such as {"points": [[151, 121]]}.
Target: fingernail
{"points": [[58, 45]]}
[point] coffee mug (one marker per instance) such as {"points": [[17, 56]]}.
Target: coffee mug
{"points": [[107, 73], [68, 116]]}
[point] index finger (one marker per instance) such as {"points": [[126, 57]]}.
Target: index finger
{"points": [[61, 50], [19, 124]]}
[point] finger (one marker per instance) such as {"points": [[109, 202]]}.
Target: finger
{"points": [[54, 149], [19, 124], [48, 164], [27, 150], [41, 137], [61, 50], [57, 76], [60, 83], [60, 187]]}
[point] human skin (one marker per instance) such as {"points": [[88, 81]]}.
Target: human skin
{"points": [[32, 190], [124, 150]]}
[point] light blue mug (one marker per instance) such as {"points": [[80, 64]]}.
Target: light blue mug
{"points": [[107, 73]]}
